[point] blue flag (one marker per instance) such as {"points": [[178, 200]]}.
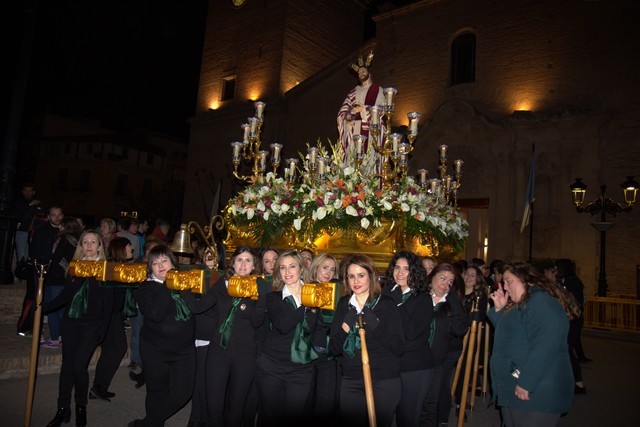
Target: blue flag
{"points": [[529, 197]]}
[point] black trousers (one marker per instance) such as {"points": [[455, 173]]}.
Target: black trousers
{"points": [[229, 375], [429, 415], [326, 391], [414, 390], [284, 391], [80, 341], [353, 403], [169, 376], [112, 350], [199, 397]]}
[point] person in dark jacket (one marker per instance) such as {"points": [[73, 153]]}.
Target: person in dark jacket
{"points": [[86, 318], [284, 376], [114, 345], [530, 369], [384, 337], [167, 339], [63, 249], [408, 286], [233, 348], [448, 319]]}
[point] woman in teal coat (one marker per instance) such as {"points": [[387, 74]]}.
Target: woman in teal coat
{"points": [[530, 367]]}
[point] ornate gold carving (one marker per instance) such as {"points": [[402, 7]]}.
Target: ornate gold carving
{"points": [[81, 268], [244, 287], [190, 280], [322, 295], [128, 273]]}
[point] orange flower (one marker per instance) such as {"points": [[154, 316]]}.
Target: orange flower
{"points": [[329, 185], [379, 193], [346, 201], [361, 195], [340, 184]]}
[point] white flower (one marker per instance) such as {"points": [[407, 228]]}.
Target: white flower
{"points": [[297, 223], [266, 215], [386, 205], [250, 213], [261, 206], [337, 204], [349, 170], [322, 212], [352, 211], [284, 208], [405, 207], [364, 222]]}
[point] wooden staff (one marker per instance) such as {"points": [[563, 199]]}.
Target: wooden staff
{"points": [[467, 369], [366, 372], [456, 376], [475, 365], [35, 343], [485, 372]]}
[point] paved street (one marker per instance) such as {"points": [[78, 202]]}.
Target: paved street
{"points": [[611, 399]]}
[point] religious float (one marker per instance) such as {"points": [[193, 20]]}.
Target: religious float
{"points": [[351, 196]]}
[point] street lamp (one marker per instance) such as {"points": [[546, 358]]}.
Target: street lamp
{"points": [[603, 206]]}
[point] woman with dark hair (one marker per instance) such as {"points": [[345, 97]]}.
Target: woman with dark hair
{"points": [[114, 345], [85, 321], [285, 373], [63, 250], [449, 320], [407, 285], [530, 367], [233, 348], [167, 339], [268, 258], [384, 335], [567, 278]]}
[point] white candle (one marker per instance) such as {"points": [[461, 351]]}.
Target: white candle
{"points": [[389, 93], [443, 151], [275, 153], [458, 164], [423, 177], [313, 152], [259, 109], [292, 168], [375, 114], [413, 122], [263, 159], [435, 184], [321, 161], [253, 122], [359, 140], [245, 130], [404, 148], [395, 140], [236, 146]]}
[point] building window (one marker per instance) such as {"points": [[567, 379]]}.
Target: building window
{"points": [[463, 59], [228, 87], [62, 179], [85, 178], [121, 184]]}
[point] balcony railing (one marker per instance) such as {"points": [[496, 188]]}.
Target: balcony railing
{"points": [[619, 314]]}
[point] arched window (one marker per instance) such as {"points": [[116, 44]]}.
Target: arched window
{"points": [[463, 59]]}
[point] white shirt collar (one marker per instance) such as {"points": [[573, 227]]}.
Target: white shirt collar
{"points": [[354, 302], [286, 292], [155, 279]]}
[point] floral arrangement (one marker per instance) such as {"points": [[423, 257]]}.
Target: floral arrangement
{"points": [[346, 198]]}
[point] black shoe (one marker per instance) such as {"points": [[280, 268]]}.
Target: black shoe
{"points": [[109, 394], [97, 393], [62, 416], [135, 423], [579, 390], [138, 378], [81, 416]]}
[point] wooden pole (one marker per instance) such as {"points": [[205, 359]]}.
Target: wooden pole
{"points": [[35, 343], [476, 362], [467, 372], [485, 372], [456, 376], [366, 372]]}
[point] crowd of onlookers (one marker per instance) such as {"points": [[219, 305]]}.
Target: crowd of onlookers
{"points": [[277, 361]]}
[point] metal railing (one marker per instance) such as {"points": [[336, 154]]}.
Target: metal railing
{"points": [[619, 314]]}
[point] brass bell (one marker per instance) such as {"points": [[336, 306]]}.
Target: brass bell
{"points": [[182, 242]]}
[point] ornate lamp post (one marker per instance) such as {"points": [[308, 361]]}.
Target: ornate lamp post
{"points": [[603, 206]]}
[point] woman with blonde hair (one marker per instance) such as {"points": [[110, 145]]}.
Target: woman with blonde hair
{"points": [[86, 318], [285, 373]]}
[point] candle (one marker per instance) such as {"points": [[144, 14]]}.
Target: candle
{"points": [[389, 93], [359, 140], [321, 162], [458, 164], [313, 152], [404, 148], [395, 140], [292, 168], [435, 184], [275, 153], [413, 122], [236, 146], [375, 114], [403, 158], [263, 160], [443, 151], [423, 177], [448, 180], [245, 129], [259, 109], [253, 122]]}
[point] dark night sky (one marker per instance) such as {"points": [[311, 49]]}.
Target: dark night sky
{"points": [[128, 63]]}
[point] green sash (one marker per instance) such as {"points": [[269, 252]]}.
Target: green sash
{"points": [[301, 349], [432, 326], [227, 325], [182, 311], [80, 301], [130, 309], [352, 342]]}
